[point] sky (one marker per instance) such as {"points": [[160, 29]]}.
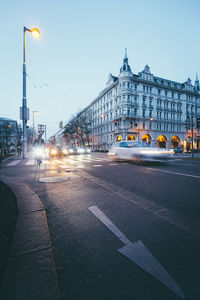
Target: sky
{"points": [[82, 42]]}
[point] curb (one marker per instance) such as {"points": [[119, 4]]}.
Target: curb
{"points": [[30, 271]]}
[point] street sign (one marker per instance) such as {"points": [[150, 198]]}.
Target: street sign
{"points": [[24, 113]]}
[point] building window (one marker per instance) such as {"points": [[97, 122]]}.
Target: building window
{"points": [[143, 112], [150, 113], [143, 125], [135, 111], [135, 87], [150, 125]]}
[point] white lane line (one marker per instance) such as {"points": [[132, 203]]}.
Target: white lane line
{"points": [[13, 163], [139, 254], [96, 166], [104, 219], [175, 173], [30, 162], [100, 159], [112, 164], [71, 161], [57, 161], [45, 161]]}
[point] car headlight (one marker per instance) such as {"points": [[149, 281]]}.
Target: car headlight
{"points": [[65, 151], [80, 150], [53, 151]]}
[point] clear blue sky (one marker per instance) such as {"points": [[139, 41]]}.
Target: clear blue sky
{"points": [[82, 42]]}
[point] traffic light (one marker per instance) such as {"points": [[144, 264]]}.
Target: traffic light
{"points": [[135, 125], [116, 122], [198, 123], [131, 124], [9, 126]]}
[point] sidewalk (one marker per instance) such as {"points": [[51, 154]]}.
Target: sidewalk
{"points": [[30, 272]]}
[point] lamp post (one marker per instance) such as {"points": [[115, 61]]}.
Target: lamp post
{"points": [[34, 112], [24, 112]]}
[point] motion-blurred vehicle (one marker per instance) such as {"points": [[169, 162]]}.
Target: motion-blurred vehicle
{"points": [[72, 150], [136, 151], [55, 151], [82, 150], [65, 151], [177, 150]]}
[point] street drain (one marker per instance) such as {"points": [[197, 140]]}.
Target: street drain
{"points": [[53, 179]]}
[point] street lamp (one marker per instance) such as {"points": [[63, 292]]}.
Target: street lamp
{"points": [[24, 112], [34, 112]]}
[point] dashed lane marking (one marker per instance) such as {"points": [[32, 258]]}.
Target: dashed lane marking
{"points": [[13, 163], [175, 173], [139, 254], [30, 162], [96, 166]]}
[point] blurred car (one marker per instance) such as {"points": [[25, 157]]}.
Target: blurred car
{"points": [[177, 150], [55, 151], [82, 150], [65, 151], [136, 151], [72, 150]]}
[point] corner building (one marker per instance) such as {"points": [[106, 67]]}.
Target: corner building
{"points": [[146, 108]]}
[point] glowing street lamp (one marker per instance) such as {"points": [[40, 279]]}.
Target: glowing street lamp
{"points": [[24, 111], [35, 33]]}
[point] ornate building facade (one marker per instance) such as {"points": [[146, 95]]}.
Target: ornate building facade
{"points": [[146, 108]]}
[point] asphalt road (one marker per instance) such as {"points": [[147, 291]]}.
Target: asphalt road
{"points": [[113, 225]]}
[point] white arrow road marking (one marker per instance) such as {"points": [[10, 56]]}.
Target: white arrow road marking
{"points": [[100, 215], [175, 173], [139, 254], [13, 163]]}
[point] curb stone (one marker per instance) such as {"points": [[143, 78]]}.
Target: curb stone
{"points": [[30, 272]]}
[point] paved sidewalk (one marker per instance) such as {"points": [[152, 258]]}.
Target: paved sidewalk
{"points": [[30, 272]]}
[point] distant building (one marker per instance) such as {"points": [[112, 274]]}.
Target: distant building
{"points": [[9, 135], [144, 107]]}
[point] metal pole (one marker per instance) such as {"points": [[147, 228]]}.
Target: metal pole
{"points": [[33, 126], [192, 136], [24, 108]]}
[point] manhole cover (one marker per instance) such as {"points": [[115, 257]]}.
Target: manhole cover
{"points": [[53, 179]]}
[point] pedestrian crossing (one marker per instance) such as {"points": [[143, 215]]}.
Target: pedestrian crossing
{"points": [[74, 161]]}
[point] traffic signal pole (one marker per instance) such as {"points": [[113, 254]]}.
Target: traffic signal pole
{"points": [[192, 137]]}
